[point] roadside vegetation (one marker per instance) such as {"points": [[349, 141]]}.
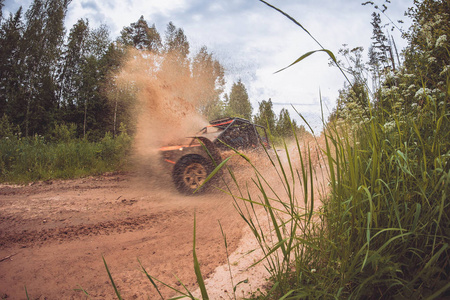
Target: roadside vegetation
{"points": [[382, 232], [58, 155]]}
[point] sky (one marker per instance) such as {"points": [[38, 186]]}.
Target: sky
{"points": [[253, 41]]}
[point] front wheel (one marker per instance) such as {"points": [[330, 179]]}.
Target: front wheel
{"points": [[190, 173]]}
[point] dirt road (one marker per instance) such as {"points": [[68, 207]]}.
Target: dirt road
{"points": [[53, 236]]}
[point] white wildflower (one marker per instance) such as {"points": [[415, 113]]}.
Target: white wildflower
{"points": [[432, 60], [389, 126], [390, 75], [441, 41], [445, 70], [422, 92], [411, 87]]}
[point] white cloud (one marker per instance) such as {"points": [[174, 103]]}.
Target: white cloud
{"points": [[117, 14]]}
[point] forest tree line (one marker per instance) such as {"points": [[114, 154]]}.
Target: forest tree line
{"points": [[51, 76]]}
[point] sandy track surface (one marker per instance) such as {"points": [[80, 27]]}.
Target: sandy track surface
{"points": [[53, 236]]}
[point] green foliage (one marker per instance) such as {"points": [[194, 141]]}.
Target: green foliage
{"points": [[7, 129], [49, 78], [35, 158], [383, 232], [265, 116], [388, 212], [238, 104], [176, 42], [63, 133], [427, 57], [176, 50], [41, 43], [141, 36], [388, 216], [47, 81], [208, 83], [286, 127], [10, 35]]}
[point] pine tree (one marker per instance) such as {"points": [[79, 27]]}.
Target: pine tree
{"points": [[1, 10], [42, 43], [85, 70], [208, 83], [283, 127], [176, 43], [74, 54], [11, 31], [118, 104], [239, 103], [141, 36], [176, 50], [266, 116]]}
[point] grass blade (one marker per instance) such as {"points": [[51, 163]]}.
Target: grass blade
{"points": [[198, 273], [111, 279]]}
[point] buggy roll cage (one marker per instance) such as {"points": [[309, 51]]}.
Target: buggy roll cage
{"points": [[225, 123]]}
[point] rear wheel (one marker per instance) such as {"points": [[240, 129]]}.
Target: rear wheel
{"points": [[190, 173]]}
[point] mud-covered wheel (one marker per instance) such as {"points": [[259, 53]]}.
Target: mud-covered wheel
{"points": [[190, 172]]}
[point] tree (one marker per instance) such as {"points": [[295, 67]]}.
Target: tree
{"points": [[208, 83], [118, 104], [74, 53], [176, 43], [141, 36], [285, 125], [176, 62], [11, 31], [42, 43], [83, 101], [265, 116], [238, 102], [1, 10]]}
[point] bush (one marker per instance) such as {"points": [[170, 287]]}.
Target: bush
{"points": [[35, 158]]}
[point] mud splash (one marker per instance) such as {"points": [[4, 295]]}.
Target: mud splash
{"points": [[165, 105]]}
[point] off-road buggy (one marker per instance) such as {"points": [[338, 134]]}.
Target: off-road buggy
{"points": [[192, 162]]}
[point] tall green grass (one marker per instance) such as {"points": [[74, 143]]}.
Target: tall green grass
{"points": [[37, 158], [387, 220], [383, 231]]}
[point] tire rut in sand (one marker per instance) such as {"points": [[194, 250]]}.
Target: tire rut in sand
{"points": [[31, 238]]}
